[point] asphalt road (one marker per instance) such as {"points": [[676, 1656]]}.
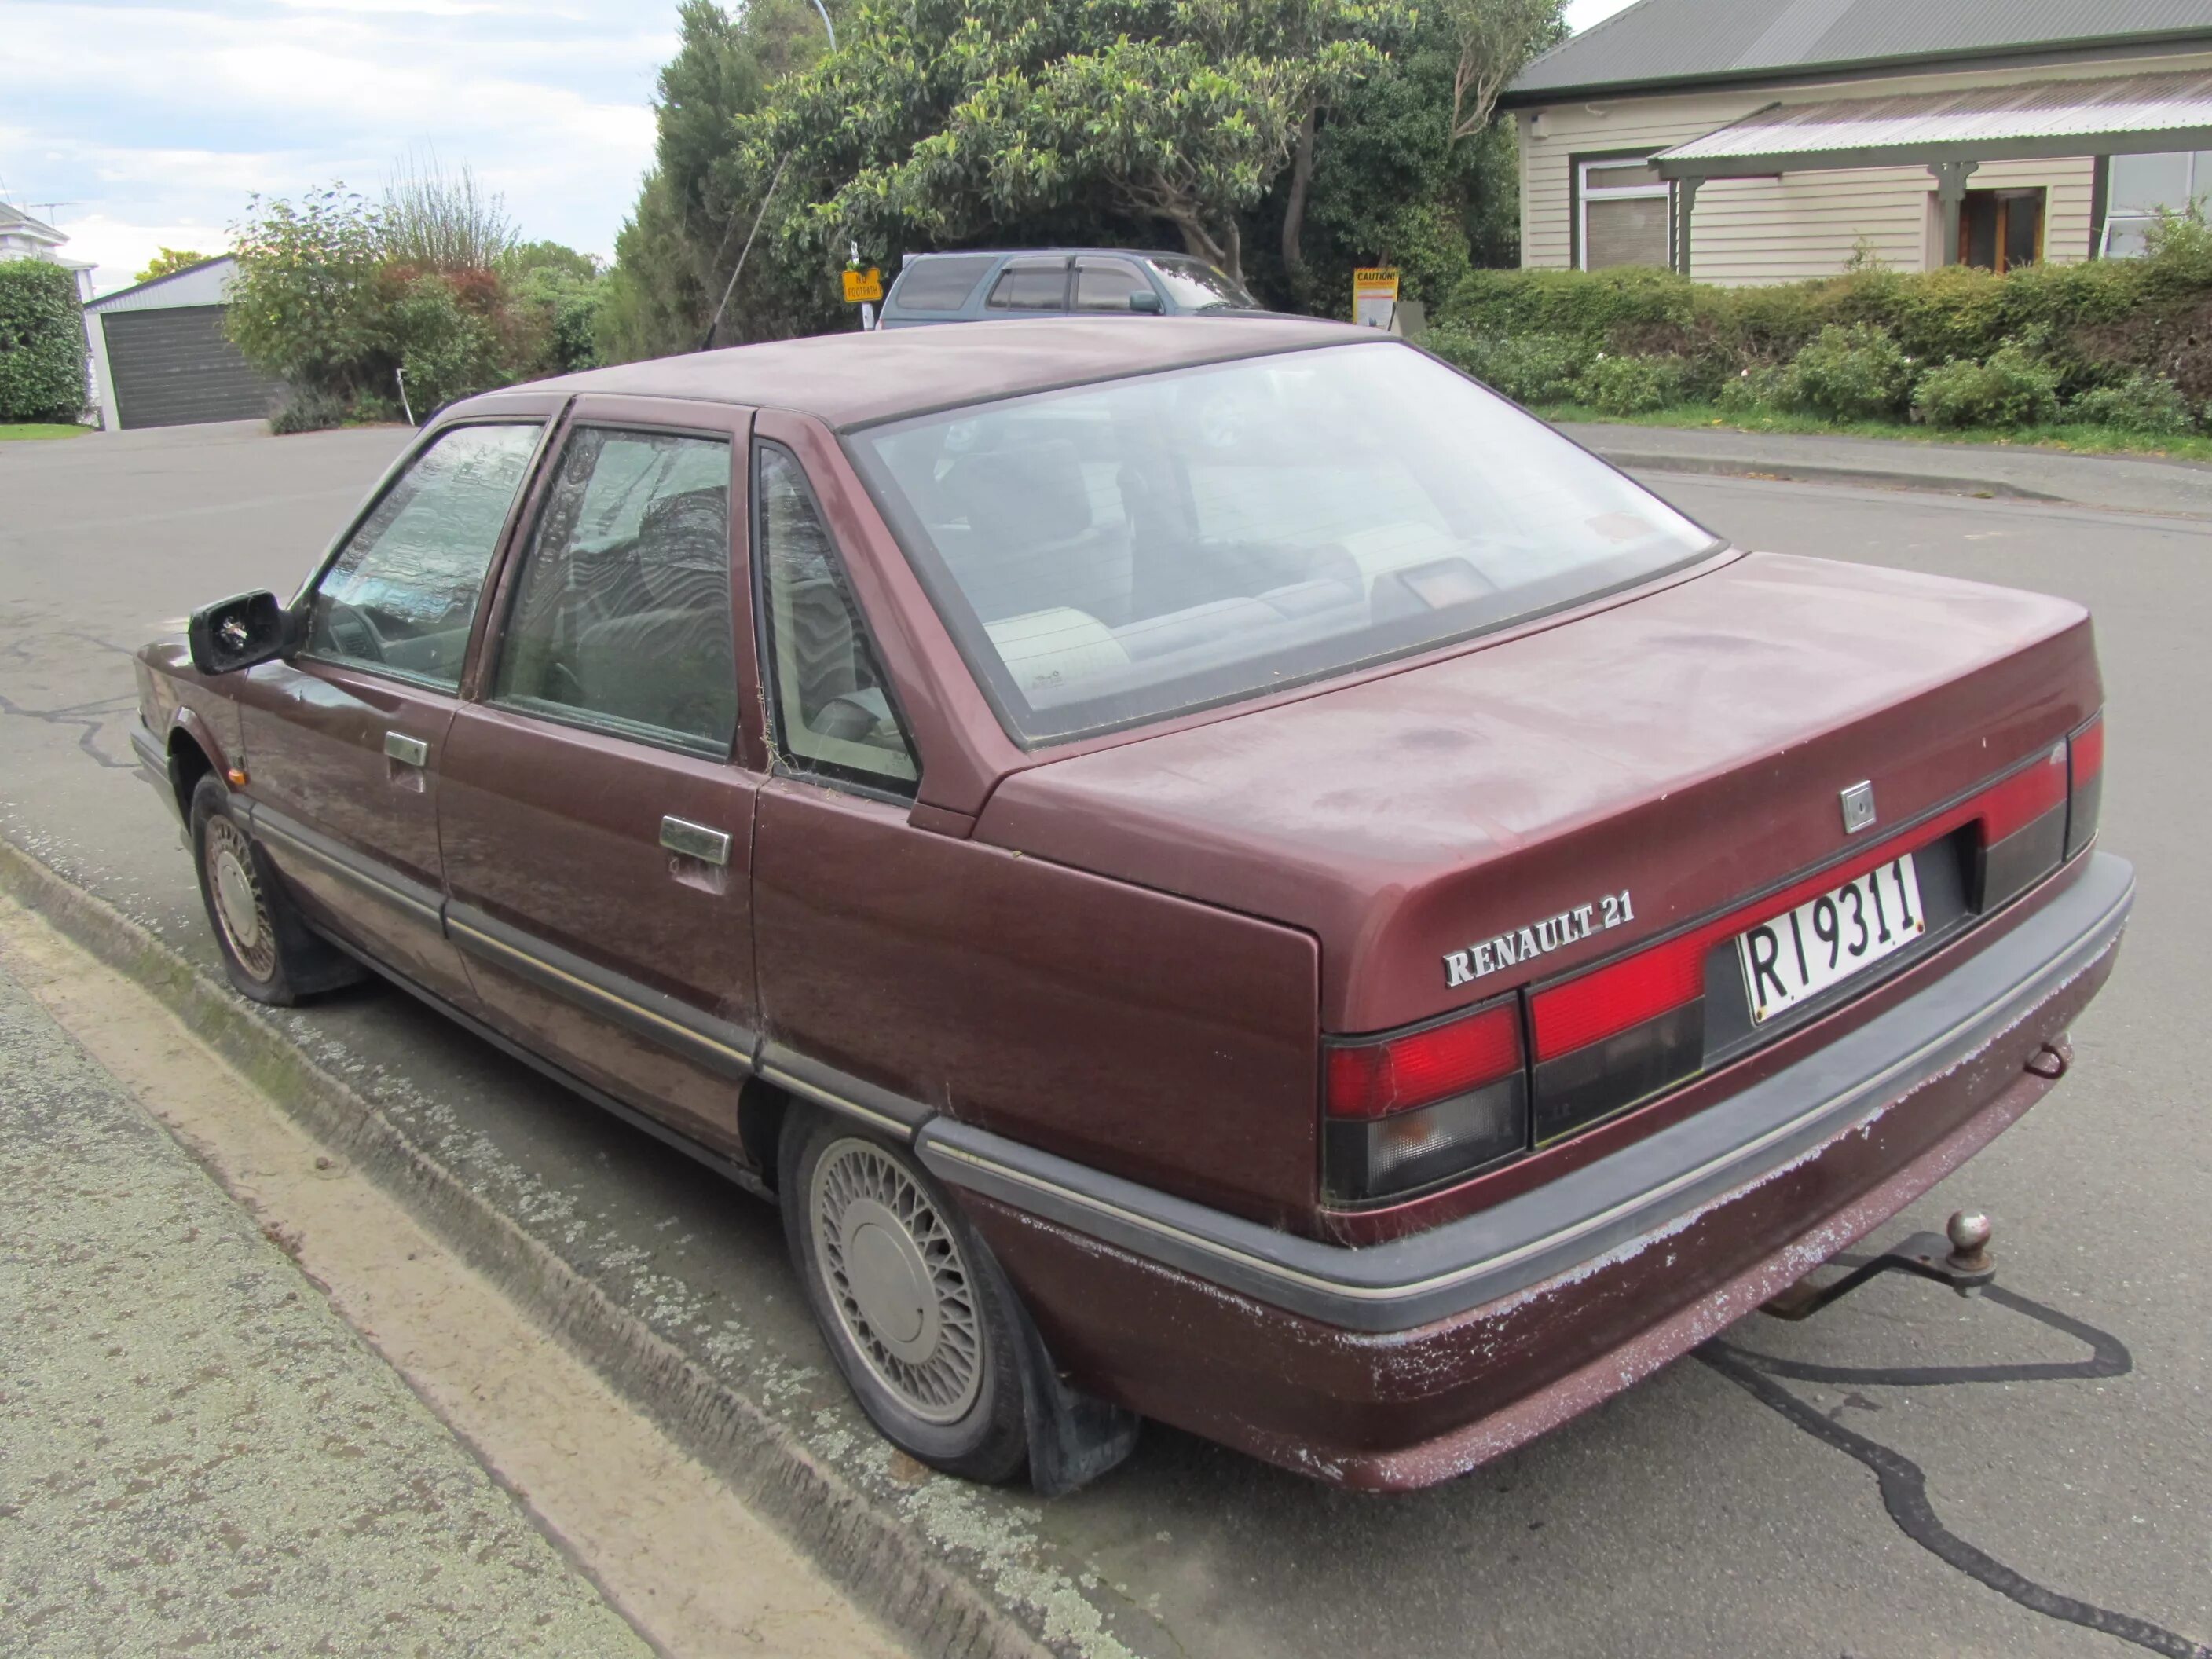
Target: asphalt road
{"points": [[1910, 1473]]}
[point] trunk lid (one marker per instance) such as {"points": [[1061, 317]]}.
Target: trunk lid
{"points": [[1688, 748]]}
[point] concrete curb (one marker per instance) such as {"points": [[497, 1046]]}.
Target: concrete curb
{"points": [[1818, 473], [871, 1553]]}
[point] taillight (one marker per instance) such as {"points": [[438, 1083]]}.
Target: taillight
{"points": [[1609, 1038], [2084, 797], [1412, 1109], [2023, 828]]}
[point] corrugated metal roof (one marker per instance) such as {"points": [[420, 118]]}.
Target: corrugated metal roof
{"points": [[1656, 41], [2062, 112], [207, 283]]}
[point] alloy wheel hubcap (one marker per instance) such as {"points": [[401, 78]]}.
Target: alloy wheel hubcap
{"points": [[238, 905], [896, 1278]]}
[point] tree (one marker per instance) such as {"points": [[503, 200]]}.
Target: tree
{"points": [[168, 261], [441, 218], [1495, 38], [305, 307], [945, 120], [41, 342]]}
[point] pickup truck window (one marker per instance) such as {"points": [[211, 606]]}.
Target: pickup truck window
{"points": [[401, 593], [833, 712], [1119, 552], [621, 616]]}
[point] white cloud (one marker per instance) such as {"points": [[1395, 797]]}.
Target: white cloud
{"points": [[1581, 14], [150, 119]]}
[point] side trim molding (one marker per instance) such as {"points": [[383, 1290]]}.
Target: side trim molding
{"points": [[716, 1044], [880, 1109], [425, 903], [728, 1168], [1613, 1203]]}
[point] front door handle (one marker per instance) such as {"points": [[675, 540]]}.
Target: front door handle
{"points": [[696, 840], [407, 751]]}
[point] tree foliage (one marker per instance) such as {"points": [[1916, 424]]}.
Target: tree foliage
{"points": [[440, 218], [41, 342], [168, 261], [345, 308]]}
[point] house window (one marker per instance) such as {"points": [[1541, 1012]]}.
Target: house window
{"points": [[2143, 186], [1623, 205], [1999, 230]]}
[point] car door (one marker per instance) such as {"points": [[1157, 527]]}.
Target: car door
{"points": [[342, 742], [1034, 283], [1105, 285], [597, 791]]}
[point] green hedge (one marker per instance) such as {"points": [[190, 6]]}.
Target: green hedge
{"points": [[2130, 341], [41, 342]]}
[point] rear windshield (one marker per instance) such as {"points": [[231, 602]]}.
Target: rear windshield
{"points": [[1118, 553], [943, 284], [1198, 286]]}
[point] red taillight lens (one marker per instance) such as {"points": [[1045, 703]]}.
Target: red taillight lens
{"points": [[1377, 1079], [1412, 1111], [2023, 828], [1607, 1002], [2085, 753], [2024, 797]]}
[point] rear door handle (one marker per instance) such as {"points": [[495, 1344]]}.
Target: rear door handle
{"points": [[696, 840], [407, 751]]}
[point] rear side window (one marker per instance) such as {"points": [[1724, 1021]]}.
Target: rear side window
{"points": [[622, 618], [402, 594], [833, 708], [1031, 285], [942, 283]]}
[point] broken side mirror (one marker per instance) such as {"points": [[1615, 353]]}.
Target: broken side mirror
{"points": [[237, 633], [1145, 302]]}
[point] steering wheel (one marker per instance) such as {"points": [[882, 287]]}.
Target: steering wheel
{"points": [[351, 631]]}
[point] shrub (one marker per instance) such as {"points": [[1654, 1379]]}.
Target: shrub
{"points": [[1855, 374], [2014, 388], [447, 349], [2141, 403], [1757, 389], [1631, 386], [41, 342], [303, 309], [1530, 368], [307, 409]]}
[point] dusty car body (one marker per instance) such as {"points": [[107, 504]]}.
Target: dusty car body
{"points": [[1220, 875]]}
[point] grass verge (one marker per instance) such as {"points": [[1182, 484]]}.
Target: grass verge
{"points": [[21, 430], [2077, 439]]}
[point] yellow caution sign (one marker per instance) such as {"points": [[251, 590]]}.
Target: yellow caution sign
{"points": [[1375, 295], [863, 285]]}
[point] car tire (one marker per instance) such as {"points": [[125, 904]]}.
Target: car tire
{"points": [[917, 1315], [267, 950]]}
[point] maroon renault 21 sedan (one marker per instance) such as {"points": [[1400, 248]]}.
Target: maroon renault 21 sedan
{"points": [[1219, 870]]}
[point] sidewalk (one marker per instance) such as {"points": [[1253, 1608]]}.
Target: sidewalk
{"points": [[195, 1451], [2179, 489]]}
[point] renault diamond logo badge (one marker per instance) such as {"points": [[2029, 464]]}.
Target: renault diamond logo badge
{"points": [[1858, 807]]}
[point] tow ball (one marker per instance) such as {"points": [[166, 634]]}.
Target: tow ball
{"points": [[1958, 1256]]}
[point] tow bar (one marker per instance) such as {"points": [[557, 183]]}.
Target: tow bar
{"points": [[1958, 1257]]}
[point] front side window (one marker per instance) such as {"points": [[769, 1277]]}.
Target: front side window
{"points": [[401, 593], [621, 616], [1623, 214], [1107, 284], [833, 707], [1116, 553], [1030, 285], [2142, 188]]}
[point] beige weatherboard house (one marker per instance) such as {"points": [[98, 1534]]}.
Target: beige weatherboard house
{"points": [[1767, 140]]}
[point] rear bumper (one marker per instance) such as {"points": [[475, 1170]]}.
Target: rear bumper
{"points": [[1400, 1363]]}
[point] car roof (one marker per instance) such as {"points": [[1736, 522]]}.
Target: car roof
{"points": [[860, 379], [1046, 253]]}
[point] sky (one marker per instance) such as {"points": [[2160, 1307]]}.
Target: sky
{"points": [[136, 124]]}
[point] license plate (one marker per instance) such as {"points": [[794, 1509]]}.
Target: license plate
{"points": [[1823, 941]]}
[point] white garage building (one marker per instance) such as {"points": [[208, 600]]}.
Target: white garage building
{"points": [[161, 356]]}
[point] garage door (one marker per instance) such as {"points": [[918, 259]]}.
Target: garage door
{"points": [[176, 365]]}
